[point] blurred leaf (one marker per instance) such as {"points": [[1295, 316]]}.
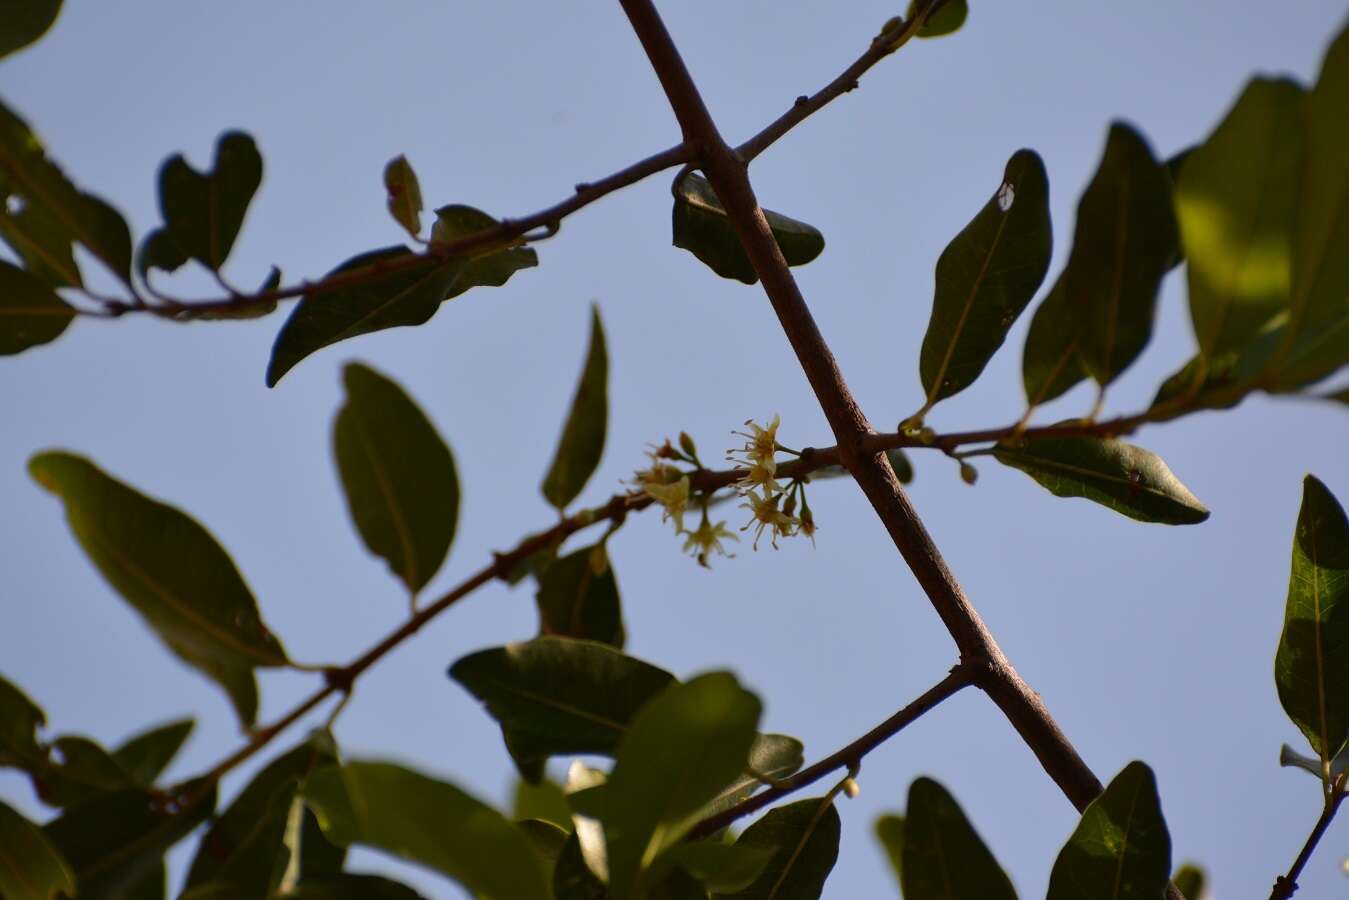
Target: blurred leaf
{"points": [[771, 756], [410, 816], [946, 20], [158, 250], [1223, 382], [30, 867], [26, 173], [545, 800], [408, 295], [1128, 479], [150, 884], [80, 769], [490, 266], [258, 863], [239, 312], [38, 238], [985, 278], [1236, 204], [147, 755], [404, 194], [1312, 663], [203, 212], [583, 782], [681, 749], [572, 879], [171, 570], [231, 831], [20, 719], [1050, 364], [22, 24], [1337, 396], [31, 313], [802, 838], [575, 602], [582, 443], [719, 867], [944, 857], [556, 696], [547, 839], [1121, 849], [702, 227], [1190, 879], [890, 832], [347, 886], [110, 841], [398, 475]]}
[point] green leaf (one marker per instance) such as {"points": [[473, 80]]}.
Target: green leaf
{"points": [[556, 696], [680, 750], [582, 443], [985, 277], [1223, 382], [30, 312], [30, 867], [398, 475], [147, 755], [547, 838], [1050, 364], [490, 266], [572, 878], [1121, 849], [394, 287], [1128, 479], [81, 769], [404, 194], [946, 20], [158, 250], [1236, 203], [890, 832], [1312, 663], [802, 838], [112, 840], [1191, 881], [575, 601], [545, 801], [944, 857], [203, 211], [20, 719], [410, 816], [150, 884], [231, 831], [26, 21], [38, 239], [718, 867], [257, 865], [702, 227], [1341, 396], [771, 756], [346, 886], [171, 570], [59, 208]]}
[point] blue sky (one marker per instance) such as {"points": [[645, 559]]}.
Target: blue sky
{"points": [[1146, 642]]}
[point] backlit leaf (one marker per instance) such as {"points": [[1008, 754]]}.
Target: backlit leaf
{"points": [[37, 237], [1312, 663], [802, 838], [582, 442], [203, 211], [890, 832], [489, 266], [948, 18], [347, 886], [20, 719], [702, 227], [171, 570], [720, 868], [30, 867], [1050, 364], [771, 756], [576, 601], [944, 857], [148, 754], [1128, 479], [404, 194], [545, 800], [31, 313], [79, 769], [1191, 881], [24, 22]]}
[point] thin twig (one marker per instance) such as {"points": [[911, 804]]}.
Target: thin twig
{"points": [[1286, 885]]}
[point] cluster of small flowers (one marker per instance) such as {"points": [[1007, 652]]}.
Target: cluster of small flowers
{"points": [[771, 508], [669, 486]]}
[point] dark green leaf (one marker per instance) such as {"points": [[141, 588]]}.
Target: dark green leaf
{"points": [[681, 749], [582, 443], [1312, 663], [171, 570], [30, 312], [803, 840], [147, 755], [545, 800], [404, 194], [150, 884], [394, 287], [985, 278], [1223, 382], [1236, 205], [719, 867], [944, 857], [80, 769], [1190, 879], [1121, 849], [30, 867], [23, 23], [771, 756], [39, 240], [572, 878], [204, 211], [409, 815], [1050, 364], [20, 719], [560, 696], [346, 886], [1128, 479], [890, 832], [1337, 396], [112, 840], [399, 476], [230, 831], [948, 18], [575, 601], [158, 250], [702, 227], [257, 865], [547, 838], [58, 207], [489, 266]]}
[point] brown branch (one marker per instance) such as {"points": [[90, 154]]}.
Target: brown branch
{"points": [[1286, 885], [849, 757]]}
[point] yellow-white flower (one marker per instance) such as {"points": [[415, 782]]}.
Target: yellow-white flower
{"points": [[762, 442], [674, 497], [764, 514], [707, 539]]}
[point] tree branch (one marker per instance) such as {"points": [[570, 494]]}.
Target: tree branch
{"points": [[1286, 885]]}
